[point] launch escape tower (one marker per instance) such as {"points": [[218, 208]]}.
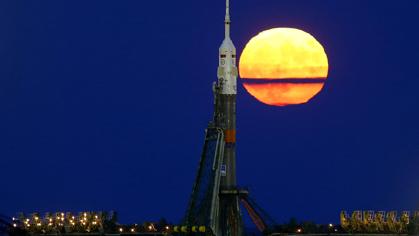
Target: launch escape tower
{"points": [[215, 199]]}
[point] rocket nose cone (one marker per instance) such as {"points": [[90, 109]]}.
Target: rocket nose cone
{"points": [[228, 45]]}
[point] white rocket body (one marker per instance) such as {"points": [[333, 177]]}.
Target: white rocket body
{"points": [[227, 69]]}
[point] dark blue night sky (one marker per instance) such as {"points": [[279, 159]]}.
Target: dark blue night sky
{"points": [[104, 106]]}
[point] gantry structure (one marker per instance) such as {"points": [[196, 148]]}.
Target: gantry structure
{"points": [[214, 205]]}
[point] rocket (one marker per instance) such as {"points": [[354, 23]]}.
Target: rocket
{"points": [[225, 91]]}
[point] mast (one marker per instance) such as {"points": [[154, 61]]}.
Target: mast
{"points": [[227, 19]]}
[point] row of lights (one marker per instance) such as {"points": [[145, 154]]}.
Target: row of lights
{"points": [[331, 226], [185, 229], [58, 220], [150, 227], [84, 219]]}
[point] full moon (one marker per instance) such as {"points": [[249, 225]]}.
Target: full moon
{"points": [[283, 66]]}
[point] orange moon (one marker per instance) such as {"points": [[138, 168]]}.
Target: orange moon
{"points": [[283, 66]]}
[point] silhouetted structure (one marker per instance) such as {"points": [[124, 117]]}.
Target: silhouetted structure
{"points": [[214, 206]]}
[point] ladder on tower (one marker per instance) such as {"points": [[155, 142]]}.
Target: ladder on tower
{"points": [[203, 208]]}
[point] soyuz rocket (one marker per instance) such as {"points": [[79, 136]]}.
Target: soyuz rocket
{"points": [[215, 196], [225, 92]]}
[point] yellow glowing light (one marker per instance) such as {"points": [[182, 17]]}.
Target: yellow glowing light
{"points": [[282, 94], [283, 53]]}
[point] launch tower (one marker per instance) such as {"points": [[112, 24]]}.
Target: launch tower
{"points": [[215, 196], [214, 204]]}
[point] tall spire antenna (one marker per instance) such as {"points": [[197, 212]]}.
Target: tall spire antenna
{"points": [[227, 19]]}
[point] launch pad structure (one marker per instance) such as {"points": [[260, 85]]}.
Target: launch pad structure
{"points": [[215, 199]]}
